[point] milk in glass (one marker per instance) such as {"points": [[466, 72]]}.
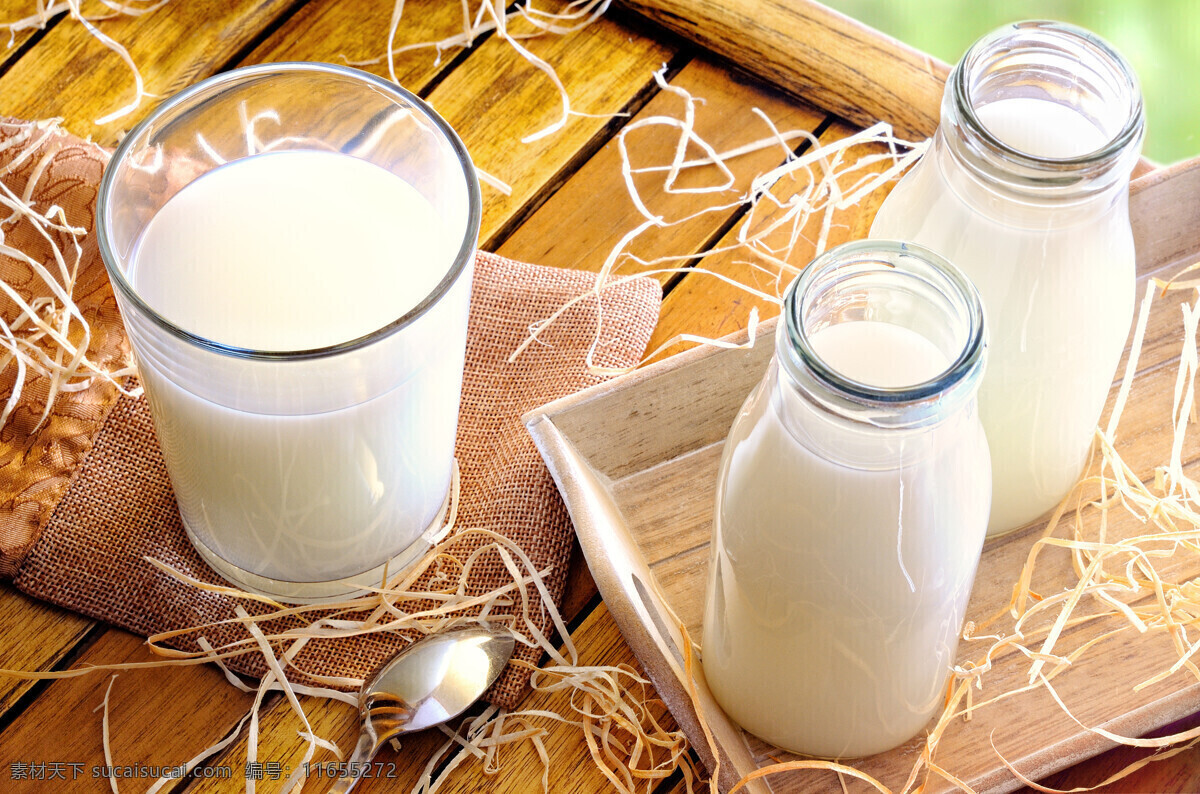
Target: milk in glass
{"points": [[291, 246], [286, 252]]}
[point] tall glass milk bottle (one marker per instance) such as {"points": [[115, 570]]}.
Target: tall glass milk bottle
{"points": [[1025, 187], [851, 507]]}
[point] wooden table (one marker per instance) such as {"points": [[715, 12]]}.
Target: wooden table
{"points": [[567, 208]]}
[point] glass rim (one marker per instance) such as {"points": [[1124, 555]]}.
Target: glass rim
{"points": [[887, 253], [464, 256], [1111, 150]]}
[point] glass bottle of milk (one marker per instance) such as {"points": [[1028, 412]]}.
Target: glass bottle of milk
{"points": [[851, 507], [1025, 187]]}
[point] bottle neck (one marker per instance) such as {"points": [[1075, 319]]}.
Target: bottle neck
{"points": [[1044, 113], [1012, 206]]}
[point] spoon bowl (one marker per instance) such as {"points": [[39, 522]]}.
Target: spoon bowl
{"points": [[431, 681]]}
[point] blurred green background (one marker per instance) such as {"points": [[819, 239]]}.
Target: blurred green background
{"points": [[1161, 38]]}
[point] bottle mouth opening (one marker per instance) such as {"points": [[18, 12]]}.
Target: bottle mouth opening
{"points": [[1054, 63], [899, 284]]}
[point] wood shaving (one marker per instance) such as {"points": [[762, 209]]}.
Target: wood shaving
{"points": [[104, 734]]}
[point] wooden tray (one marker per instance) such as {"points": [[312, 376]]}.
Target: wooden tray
{"points": [[636, 461]]}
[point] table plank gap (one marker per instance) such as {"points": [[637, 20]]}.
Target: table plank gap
{"points": [[581, 597], [21, 616], [264, 33], [456, 60], [24, 41]]}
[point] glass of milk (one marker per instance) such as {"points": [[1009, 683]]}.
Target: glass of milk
{"points": [[291, 246], [1025, 188], [851, 507]]}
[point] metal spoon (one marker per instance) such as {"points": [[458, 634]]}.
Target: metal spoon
{"points": [[431, 681]]}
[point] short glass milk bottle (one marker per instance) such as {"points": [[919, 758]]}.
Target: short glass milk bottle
{"points": [[851, 507], [1025, 188]]}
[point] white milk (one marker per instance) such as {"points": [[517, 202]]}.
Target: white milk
{"points": [[878, 353], [838, 585], [293, 251], [1056, 280], [1041, 128]]}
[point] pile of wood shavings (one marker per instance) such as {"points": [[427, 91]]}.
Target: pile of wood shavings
{"points": [[611, 705], [48, 336], [813, 186], [1118, 577]]}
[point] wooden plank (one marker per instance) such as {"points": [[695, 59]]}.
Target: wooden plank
{"points": [[817, 54], [331, 31], [496, 98], [571, 769], [72, 75], [23, 618], [147, 709]]}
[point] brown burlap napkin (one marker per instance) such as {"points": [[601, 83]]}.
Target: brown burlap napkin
{"points": [[85, 497]]}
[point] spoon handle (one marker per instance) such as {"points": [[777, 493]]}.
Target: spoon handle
{"points": [[364, 751]]}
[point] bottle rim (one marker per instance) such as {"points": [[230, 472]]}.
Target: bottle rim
{"points": [[918, 404], [1050, 37]]}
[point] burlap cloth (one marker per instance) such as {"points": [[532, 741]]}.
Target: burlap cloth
{"points": [[85, 497]]}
